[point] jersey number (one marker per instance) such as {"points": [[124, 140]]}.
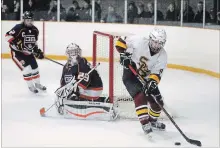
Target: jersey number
{"points": [[12, 32], [85, 75], [143, 69]]}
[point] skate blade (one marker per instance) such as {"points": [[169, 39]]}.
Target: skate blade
{"points": [[41, 90], [34, 92], [157, 129]]}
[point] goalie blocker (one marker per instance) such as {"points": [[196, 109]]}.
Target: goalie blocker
{"points": [[81, 88]]}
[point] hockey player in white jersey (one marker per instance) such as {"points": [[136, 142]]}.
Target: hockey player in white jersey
{"points": [[149, 59]]}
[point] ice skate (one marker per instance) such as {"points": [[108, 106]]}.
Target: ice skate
{"points": [[156, 125], [147, 129], [41, 87], [33, 89]]}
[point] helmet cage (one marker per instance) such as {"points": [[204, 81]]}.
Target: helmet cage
{"points": [[156, 45], [73, 52]]}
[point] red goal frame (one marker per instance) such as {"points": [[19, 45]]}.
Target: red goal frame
{"points": [[111, 59]]}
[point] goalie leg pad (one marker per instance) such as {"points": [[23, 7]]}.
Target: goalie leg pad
{"points": [[88, 110], [59, 105]]}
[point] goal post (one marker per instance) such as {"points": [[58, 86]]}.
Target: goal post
{"points": [[109, 59], [111, 73]]}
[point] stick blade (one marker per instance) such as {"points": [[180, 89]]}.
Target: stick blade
{"points": [[42, 112], [195, 142]]}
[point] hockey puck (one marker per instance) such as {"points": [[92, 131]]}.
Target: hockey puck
{"points": [[177, 143]]}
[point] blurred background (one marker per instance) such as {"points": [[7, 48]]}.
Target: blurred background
{"points": [[191, 13]]}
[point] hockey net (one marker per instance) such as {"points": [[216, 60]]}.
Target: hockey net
{"points": [[111, 72]]}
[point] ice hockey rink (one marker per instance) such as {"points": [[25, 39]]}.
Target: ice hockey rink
{"points": [[195, 98]]}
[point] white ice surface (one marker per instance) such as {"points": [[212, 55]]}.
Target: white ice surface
{"points": [[194, 96]]}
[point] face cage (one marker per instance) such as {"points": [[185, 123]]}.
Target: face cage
{"points": [[156, 46], [73, 55]]}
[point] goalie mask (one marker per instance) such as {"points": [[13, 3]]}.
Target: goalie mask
{"points": [[157, 40], [73, 52]]}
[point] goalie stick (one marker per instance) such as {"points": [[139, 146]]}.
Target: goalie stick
{"points": [[43, 111], [191, 141]]}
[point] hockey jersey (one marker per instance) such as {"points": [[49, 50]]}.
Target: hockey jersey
{"points": [[78, 71], [25, 37], [147, 65]]}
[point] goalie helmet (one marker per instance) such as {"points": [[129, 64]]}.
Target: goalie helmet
{"points": [[73, 52], [157, 39]]}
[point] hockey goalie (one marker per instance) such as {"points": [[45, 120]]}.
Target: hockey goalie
{"points": [[81, 88], [148, 57]]}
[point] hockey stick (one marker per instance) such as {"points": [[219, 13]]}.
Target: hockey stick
{"points": [[50, 60], [53, 61], [191, 141], [43, 111]]}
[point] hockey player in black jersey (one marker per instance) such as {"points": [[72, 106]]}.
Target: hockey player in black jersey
{"points": [[80, 99], [22, 39], [76, 67]]}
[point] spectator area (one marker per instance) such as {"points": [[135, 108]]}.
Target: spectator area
{"points": [[46, 10]]}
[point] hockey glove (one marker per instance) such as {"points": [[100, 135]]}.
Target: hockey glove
{"points": [[125, 59], [38, 53], [150, 87], [17, 44]]}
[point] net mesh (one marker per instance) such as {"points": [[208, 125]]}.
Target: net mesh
{"points": [[121, 98]]}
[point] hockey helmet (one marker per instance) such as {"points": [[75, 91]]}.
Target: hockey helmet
{"points": [[73, 52], [28, 18], [28, 15], [157, 39]]}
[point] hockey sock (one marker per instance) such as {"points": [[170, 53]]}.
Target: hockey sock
{"points": [[35, 75], [154, 111], [141, 108], [28, 76]]}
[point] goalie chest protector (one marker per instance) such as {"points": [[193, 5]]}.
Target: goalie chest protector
{"points": [[77, 71]]}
